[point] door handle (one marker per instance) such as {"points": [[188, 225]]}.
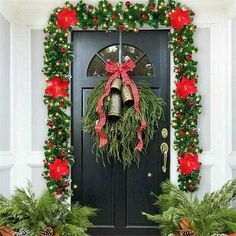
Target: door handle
{"points": [[164, 150]]}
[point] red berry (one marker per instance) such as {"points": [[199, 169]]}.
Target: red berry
{"points": [[182, 132], [128, 4], [191, 103], [178, 70], [51, 144], [114, 17], [188, 57], [63, 154], [193, 132], [61, 104], [63, 51], [191, 148], [51, 123], [152, 7], [96, 27], [121, 27], [59, 191], [65, 184], [180, 40], [95, 20], [179, 116], [144, 16], [191, 186]]}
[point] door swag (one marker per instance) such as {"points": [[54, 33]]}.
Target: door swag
{"points": [[186, 102]]}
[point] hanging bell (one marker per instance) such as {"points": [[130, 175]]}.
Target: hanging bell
{"points": [[127, 96], [115, 105], [116, 85]]}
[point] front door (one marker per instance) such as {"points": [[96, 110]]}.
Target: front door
{"points": [[120, 195]]}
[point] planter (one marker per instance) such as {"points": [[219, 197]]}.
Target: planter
{"points": [[7, 231], [180, 233]]}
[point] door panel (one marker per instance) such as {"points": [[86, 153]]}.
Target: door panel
{"points": [[120, 195]]}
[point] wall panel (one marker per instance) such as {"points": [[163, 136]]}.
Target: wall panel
{"points": [[4, 84], [205, 185], [5, 181], [203, 56], [234, 84], [38, 183], [38, 124]]}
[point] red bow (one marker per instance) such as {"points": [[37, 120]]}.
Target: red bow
{"points": [[119, 72]]}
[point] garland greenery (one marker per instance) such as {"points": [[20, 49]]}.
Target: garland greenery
{"points": [[121, 16], [211, 215], [23, 210], [122, 133]]}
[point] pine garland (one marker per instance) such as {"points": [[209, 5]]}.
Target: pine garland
{"points": [[121, 16], [122, 133]]}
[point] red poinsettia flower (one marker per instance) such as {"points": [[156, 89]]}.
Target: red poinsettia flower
{"points": [[66, 18], [58, 169], [188, 164], [179, 18], [185, 87], [57, 87]]}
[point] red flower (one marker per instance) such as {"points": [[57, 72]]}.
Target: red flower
{"points": [[144, 16], [188, 164], [185, 87], [121, 26], [179, 18], [66, 18], [51, 123], [114, 17], [58, 169], [152, 7], [57, 87], [95, 20], [128, 4]]}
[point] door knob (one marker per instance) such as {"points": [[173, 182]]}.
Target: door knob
{"points": [[164, 150], [164, 133]]}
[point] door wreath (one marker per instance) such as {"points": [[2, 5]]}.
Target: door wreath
{"points": [[124, 17]]}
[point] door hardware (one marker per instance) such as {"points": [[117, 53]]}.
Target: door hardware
{"points": [[164, 133], [164, 150]]}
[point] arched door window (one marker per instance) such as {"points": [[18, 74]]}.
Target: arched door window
{"points": [[143, 67]]}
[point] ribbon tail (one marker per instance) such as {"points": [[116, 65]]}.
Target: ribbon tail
{"points": [[139, 147], [102, 117]]}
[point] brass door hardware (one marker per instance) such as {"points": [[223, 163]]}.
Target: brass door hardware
{"points": [[164, 150], [164, 133]]}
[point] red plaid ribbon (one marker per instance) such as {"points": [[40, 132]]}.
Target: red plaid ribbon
{"points": [[119, 71]]}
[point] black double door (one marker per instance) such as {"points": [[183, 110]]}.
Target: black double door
{"points": [[120, 195]]}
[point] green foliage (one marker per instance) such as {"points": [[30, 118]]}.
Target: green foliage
{"points": [[25, 210], [122, 133], [210, 215]]}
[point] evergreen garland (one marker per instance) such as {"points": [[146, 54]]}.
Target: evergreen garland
{"points": [[121, 16], [122, 133]]}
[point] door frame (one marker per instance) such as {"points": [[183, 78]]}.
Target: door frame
{"points": [[173, 174]]}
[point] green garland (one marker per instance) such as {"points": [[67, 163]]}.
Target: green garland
{"points": [[128, 16], [123, 149]]}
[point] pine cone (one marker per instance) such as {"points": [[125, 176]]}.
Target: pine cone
{"points": [[187, 232], [47, 232]]}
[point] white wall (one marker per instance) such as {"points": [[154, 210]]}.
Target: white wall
{"points": [[5, 129], [212, 38]]}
